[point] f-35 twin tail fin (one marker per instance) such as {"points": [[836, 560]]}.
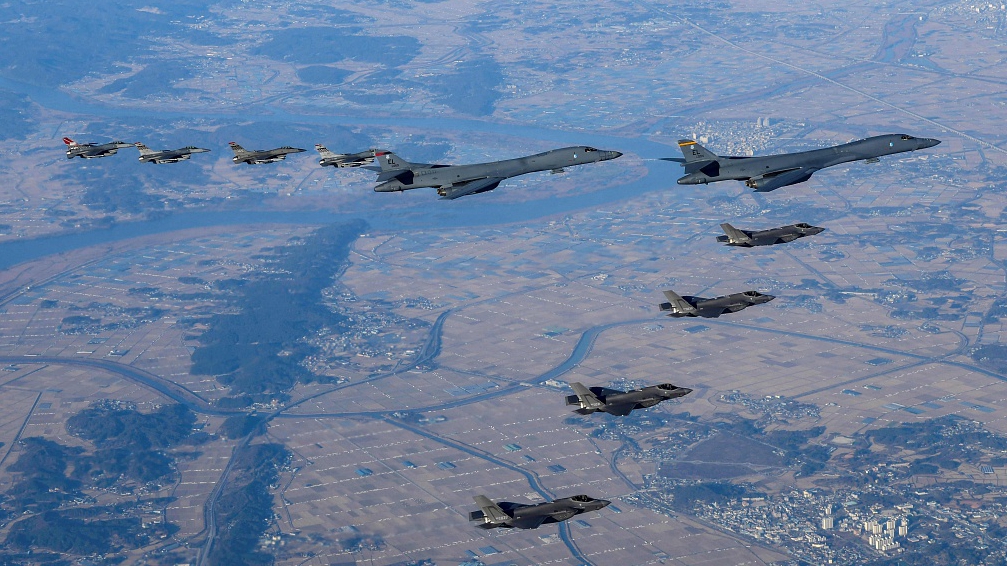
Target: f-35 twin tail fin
{"points": [[676, 304], [735, 236], [588, 401], [489, 513]]}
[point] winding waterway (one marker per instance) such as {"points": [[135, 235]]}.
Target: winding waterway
{"points": [[430, 213]]}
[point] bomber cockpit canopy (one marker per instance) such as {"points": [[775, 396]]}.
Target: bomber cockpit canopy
{"points": [[752, 294], [907, 137], [589, 149], [582, 498], [803, 225]]}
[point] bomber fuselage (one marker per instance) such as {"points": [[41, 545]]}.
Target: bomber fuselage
{"points": [[447, 175], [744, 168]]}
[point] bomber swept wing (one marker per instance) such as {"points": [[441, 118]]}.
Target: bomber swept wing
{"points": [[451, 192]]}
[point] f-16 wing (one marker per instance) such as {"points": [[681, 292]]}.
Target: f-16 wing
{"points": [[771, 182], [457, 190]]}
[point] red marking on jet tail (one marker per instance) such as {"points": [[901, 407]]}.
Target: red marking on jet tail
{"points": [[69, 141]]}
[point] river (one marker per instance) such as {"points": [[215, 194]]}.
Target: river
{"points": [[431, 213]]}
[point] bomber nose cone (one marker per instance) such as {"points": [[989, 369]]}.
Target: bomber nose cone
{"points": [[602, 503], [684, 391], [614, 154], [766, 298], [930, 142]]}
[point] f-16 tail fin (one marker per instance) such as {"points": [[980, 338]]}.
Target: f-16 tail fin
{"points": [[489, 512], [69, 142], [676, 303], [734, 236], [144, 150], [237, 149], [587, 400], [324, 151]]}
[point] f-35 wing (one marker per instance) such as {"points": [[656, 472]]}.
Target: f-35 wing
{"points": [[457, 190], [772, 182]]}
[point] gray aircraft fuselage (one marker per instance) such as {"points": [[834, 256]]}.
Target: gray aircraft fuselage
{"points": [[92, 150], [525, 516], [781, 235], [621, 403], [448, 177], [260, 156], [713, 308], [759, 172], [167, 155]]}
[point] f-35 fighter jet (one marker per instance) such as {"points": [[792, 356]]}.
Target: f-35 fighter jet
{"points": [[523, 516], [771, 172], [453, 181], [255, 157], [343, 159], [621, 403], [148, 155], [92, 150], [711, 308], [781, 235]]}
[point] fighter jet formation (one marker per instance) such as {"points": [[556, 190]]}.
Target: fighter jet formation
{"points": [[772, 172], [621, 403], [679, 306], [454, 181], [506, 514], [782, 235]]}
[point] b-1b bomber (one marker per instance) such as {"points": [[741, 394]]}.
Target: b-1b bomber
{"points": [[680, 306], [454, 181], [782, 235], [771, 172], [621, 403], [506, 514]]}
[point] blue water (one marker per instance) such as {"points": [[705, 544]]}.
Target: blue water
{"points": [[428, 213]]}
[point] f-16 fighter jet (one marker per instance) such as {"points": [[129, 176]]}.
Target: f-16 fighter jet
{"points": [[781, 235], [92, 150], [453, 181], [242, 155], [523, 516], [343, 159], [711, 308], [621, 403], [771, 172], [148, 155]]}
